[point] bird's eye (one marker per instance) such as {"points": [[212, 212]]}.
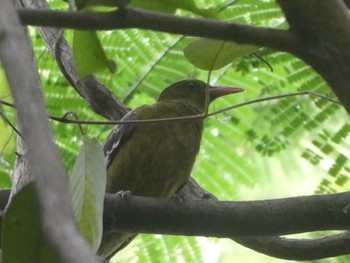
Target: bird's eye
{"points": [[191, 84]]}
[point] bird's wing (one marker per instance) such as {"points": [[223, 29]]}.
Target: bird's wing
{"points": [[117, 137], [113, 243], [111, 146]]}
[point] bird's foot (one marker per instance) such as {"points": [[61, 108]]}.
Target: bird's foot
{"points": [[346, 209], [179, 199], [124, 194]]}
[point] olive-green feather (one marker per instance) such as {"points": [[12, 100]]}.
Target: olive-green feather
{"points": [[155, 159]]}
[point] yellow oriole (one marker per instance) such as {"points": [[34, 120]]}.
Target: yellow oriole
{"points": [[155, 159]]}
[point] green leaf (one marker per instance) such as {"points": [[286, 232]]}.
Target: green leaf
{"points": [[88, 183], [89, 56], [209, 54], [21, 228], [170, 6], [22, 239]]}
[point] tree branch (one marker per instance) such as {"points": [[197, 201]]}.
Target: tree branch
{"points": [[299, 249], [321, 30], [314, 35], [58, 222], [232, 219], [135, 18], [270, 245], [293, 249], [274, 246], [347, 2], [99, 98]]}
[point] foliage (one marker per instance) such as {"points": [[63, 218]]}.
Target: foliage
{"points": [[88, 184], [292, 146], [22, 222]]}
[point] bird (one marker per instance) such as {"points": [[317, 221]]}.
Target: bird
{"points": [[155, 159]]}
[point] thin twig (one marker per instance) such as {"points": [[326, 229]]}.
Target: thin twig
{"points": [[263, 60], [6, 144], [184, 118], [75, 115], [7, 121], [275, 98]]}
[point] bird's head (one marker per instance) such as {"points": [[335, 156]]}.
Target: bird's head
{"points": [[196, 92]]}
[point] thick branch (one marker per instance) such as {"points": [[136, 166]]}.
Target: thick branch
{"points": [[293, 249], [227, 219], [58, 222], [134, 18], [322, 31], [319, 33], [296, 249], [299, 249], [347, 2], [316, 18]]}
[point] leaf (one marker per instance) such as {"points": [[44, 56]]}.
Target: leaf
{"points": [[22, 240], [88, 183], [209, 54], [89, 56], [170, 6]]}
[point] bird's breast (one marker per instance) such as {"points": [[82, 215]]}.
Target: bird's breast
{"points": [[157, 159]]}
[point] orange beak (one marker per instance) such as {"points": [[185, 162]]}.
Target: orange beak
{"points": [[219, 91]]}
